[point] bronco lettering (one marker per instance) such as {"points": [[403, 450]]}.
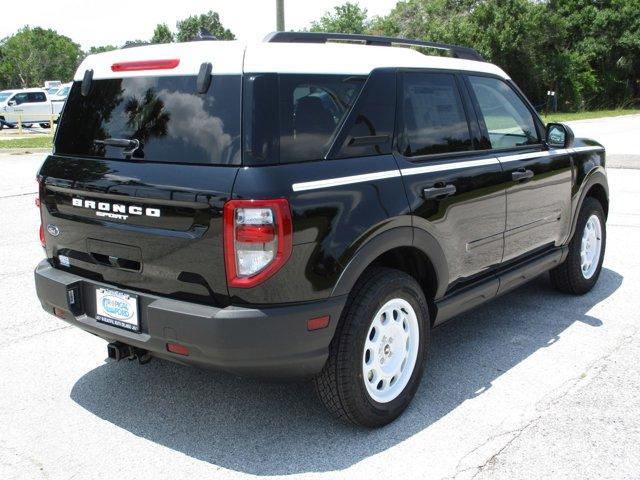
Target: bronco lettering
{"points": [[119, 210]]}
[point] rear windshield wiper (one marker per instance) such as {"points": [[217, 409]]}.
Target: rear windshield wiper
{"points": [[130, 145]]}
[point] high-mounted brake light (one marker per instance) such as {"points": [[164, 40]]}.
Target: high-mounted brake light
{"points": [[135, 66], [257, 240]]}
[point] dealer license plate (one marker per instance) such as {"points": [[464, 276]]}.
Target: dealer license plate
{"points": [[117, 308]]}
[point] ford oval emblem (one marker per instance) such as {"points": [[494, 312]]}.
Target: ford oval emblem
{"points": [[53, 230]]}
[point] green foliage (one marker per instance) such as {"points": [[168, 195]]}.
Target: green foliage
{"points": [[210, 21], [346, 18], [189, 28], [135, 43], [28, 142], [588, 51], [34, 55], [162, 34], [101, 49]]}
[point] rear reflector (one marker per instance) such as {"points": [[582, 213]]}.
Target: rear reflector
{"points": [[318, 323], [58, 312], [42, 240], [145, 65], [177, 349]]}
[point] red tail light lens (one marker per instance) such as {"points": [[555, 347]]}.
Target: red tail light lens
{"points": [[257, 240], [38, 204], [145, 65]]}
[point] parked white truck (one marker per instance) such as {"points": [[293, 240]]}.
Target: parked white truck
{"points": [[29, 106]]}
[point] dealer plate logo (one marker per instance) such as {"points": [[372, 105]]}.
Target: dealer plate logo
{"points": [[53, 230]]}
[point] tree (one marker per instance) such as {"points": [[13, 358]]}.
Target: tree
{"points": [[135, 43], [189, 28], [101, 49], [162, 34], [346, 18], [528, 39], [33, 55]]}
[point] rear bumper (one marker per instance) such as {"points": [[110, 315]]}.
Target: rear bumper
{"points": [[268, 342]]}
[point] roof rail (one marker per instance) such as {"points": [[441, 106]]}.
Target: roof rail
{"points": [[455, 51]]}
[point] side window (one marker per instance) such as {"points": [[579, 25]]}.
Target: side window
{"points": [[312, 108], [508, 120], [37, 97], [20, 98], [371, 130], [432, 117]]}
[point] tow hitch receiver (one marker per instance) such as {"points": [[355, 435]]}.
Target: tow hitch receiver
{"points": [[118, 351]]}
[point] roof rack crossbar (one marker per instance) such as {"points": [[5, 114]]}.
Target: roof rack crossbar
{"points": [[456, 51]]}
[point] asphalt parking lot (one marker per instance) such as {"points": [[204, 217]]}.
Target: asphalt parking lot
{"points": [[535, 384]]}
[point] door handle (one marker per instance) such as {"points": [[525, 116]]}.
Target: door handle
{"points": [[438, 193], [520, 175]]}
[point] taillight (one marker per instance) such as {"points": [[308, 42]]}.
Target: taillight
{"points": [[38, 204], [257, 240]]}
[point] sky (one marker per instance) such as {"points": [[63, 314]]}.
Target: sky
{"points": [[95, 23]]}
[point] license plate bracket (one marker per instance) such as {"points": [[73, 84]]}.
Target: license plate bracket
{"points": [[117, 308]]}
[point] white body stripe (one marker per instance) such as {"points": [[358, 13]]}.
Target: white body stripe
{"points": [[448, 166], [587, 149], [367, 177], [335, 182], [525, 156]]}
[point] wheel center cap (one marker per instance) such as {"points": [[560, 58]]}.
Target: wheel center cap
{"points": [[387, 349]]}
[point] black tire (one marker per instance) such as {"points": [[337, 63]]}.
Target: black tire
{"points": [[44, 125], [568, 277], [340, 385], [27, 125]]}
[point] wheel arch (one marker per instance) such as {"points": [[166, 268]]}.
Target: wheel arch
{"points": [[408, 249], [595, 185]]}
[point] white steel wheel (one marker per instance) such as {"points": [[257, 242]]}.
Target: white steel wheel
{"points": [[390, 350], [591, 247]]}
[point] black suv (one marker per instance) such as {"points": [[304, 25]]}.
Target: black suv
{"points": [[240, 207]]}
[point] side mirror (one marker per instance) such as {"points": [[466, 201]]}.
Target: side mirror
{"points": [[12, 103], [559, 135]]}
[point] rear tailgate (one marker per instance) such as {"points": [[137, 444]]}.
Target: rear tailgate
{"points": [[168, 240]]}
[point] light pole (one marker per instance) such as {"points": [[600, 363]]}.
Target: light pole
{"points": [[280, 15]]}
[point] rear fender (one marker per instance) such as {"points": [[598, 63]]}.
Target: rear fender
{"points": [[386, 241]]}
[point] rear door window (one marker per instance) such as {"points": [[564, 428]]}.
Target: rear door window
{"points": [[37, 97], [171, 121], [432, 116], [508, 120]]}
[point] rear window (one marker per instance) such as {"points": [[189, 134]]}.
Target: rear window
{"points": [[295, 117], [170, 120]]}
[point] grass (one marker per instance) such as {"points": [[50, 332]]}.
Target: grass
{"points": [[567, 117], [29, 142]]}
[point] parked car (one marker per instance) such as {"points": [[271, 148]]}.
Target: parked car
{"points": [[33, 104], [239, 207], [59, 96], [51, 86]]}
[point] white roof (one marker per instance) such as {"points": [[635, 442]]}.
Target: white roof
{"points": [[233, 57]]}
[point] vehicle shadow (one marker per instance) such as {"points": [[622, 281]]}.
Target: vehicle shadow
{"points": [[277, 429]]}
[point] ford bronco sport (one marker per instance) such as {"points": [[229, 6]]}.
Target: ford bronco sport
{"points": [[308, 206]]}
